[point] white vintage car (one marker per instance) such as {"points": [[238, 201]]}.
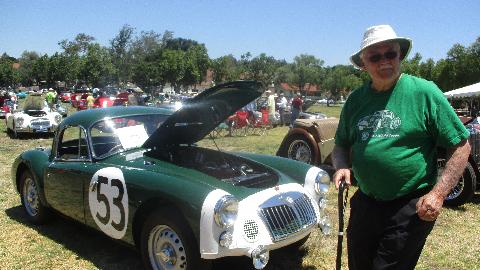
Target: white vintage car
{"points": [[34, 117]]}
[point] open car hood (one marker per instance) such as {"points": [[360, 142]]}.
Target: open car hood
{"points": [[34, 103], [203, 113]]}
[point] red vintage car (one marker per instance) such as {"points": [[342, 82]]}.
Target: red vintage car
{"points": [[81, 101], [64, 97], [103, 102], [77, 95], [6, 106]]}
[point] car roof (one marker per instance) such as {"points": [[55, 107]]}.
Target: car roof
{"points": [[86, 118]]}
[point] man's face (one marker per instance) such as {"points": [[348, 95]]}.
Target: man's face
{"points": [[382, 61]]}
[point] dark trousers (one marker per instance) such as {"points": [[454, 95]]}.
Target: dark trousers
{"points": [[385, 235]]}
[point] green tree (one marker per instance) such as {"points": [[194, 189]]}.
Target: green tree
{"points": [[262, 68], [79, 46], [340, 80], [412, 65], [225, 68], [306, 69], [171, 67], [40, 69], [196, 63], [9, 76], [97, 69], [179, 44], [26, 61], [120, 50]]}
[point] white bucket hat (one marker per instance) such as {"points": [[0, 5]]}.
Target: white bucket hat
{"points": [[380, 33]]}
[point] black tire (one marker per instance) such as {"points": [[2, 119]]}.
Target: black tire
{"points": [[168, 233], [297, 147], [36, 212], [465, 187], [14, 132]]}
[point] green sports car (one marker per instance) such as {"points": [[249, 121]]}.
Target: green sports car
{"points": [[136, 175]]}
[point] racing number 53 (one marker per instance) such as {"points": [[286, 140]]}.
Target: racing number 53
{"points": [[117, 201], [108, 201]]}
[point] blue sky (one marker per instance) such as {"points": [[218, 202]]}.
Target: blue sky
{"points": [[329, 30]]}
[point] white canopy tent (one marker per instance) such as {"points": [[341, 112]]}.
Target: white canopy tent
{"points": [[467, 91]]}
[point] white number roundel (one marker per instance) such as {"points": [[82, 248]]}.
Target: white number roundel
{"points": [[108, 201]]}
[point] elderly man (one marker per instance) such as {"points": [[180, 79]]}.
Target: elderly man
{"points": [[388, 133]]}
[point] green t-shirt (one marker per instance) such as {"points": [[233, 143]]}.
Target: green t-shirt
{"points": [[394, 134]]}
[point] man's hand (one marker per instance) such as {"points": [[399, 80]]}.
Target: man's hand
{"points": [[341, 161], [342, 175], [429, 206]]}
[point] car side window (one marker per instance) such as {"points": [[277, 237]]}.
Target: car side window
{"points": [[72, 144]]}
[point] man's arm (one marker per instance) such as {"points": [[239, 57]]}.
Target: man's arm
{"points": [[429, 206], [341, 161]]}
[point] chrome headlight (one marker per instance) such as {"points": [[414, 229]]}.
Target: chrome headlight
{"points": [[19, 122], [322, 183], [225, 212], [58, 119]]}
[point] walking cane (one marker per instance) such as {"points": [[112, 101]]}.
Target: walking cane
{"points": [[342, 203]]}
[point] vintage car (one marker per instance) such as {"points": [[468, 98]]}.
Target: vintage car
{"points": [[61, 110], [21, 94], [312, 141], [78, 95], [65, 96], [303, 114], [103, 101], [135, 174], [34, 117]]}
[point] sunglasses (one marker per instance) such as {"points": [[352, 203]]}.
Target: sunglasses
{"points": [[377, 57]]}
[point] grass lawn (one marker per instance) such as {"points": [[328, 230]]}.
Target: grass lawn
{"points": [[62, 244]]}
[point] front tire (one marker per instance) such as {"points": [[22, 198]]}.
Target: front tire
{"points": [[37, 213], [464, 189], [167, 243]]}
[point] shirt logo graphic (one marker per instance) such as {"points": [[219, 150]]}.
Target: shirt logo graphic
{"points": [[381, 124]]}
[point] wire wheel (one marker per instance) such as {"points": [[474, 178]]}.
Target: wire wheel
{"points": [[165, 249], [299, 149], [30, 197]]}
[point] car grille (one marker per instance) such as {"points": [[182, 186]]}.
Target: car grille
{"points": [[40, 123], [289, 218]]}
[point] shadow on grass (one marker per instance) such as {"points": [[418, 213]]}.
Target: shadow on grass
{"points": [[106, 253], [86, 243], [476, 198]]}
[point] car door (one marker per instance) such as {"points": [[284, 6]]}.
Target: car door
{"points": [[68, 176]]}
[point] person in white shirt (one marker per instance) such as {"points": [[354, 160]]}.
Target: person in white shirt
{"points": [[282, 105]]}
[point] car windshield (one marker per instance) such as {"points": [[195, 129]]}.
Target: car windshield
{"points": [[114, 135]]}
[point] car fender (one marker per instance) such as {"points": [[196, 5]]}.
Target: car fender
{"points": [[35, 161], [180, 193]]}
